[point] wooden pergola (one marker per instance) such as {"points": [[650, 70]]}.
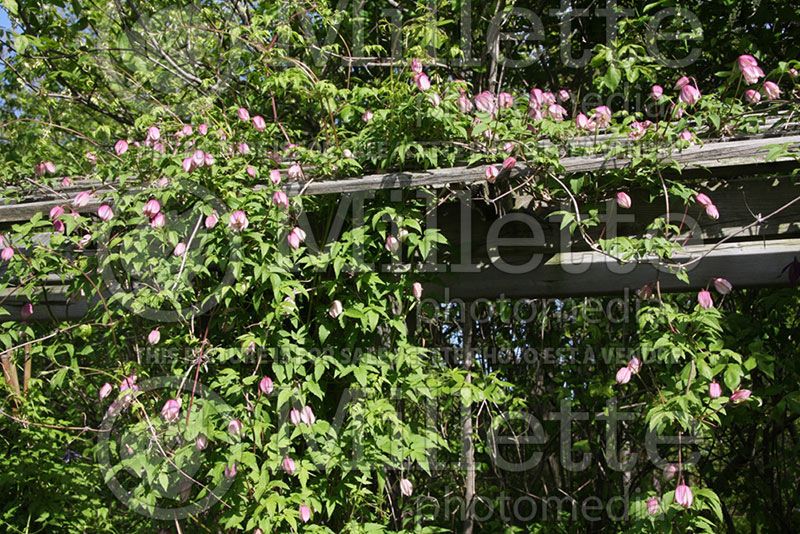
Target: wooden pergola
{"points": [[756, 236]]}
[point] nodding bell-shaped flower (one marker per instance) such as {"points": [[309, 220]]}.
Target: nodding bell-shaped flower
{"points": [[201, 442], [153, 133], [624, 200], [154, 336], [652, 506], [392, 244], [422, 81], [189, 164], [656, 92], [230, 471], [712, 211], [238, 221], [491, 173], [171, 409], [81, 199], [294, 416], [244, 115], [280, 199], [367, 116], [752, 96], [686, 135], [120, 147], [434, 99], [705, 300], [251, 171], [464, 104], [295, 172], [288, 465], [157, 221], [212, 220], [602, 116], [105, 213], [84, 241], [556, 112], [307, 415], [295, 237], [682, 82], [259, 124], [27, 310], [275, 176], [635, 365], [683, 496], [509, 163], [58, 226], [202, 129], [505, 100], [416, 66], [209, 160], [151, 207], [91, 158], [670, 470], [305, 513], [180, 249], [128, 383], [105, 390], [67, 182], [243, 148], [749, 68], [689, 95], [406, 489], [703, 200], [714, 390], [266, 385], [740, 395], [416, 290], [722, 286], [563, 95], [485, 101], [7, 254], [56, 212], [772, 90], [235, 427], [624, 375], [336, 309]]}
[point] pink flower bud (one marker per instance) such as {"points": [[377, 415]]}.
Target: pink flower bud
{"points": [[151, 207], [752, 96], [157, 221], [772, 90], [120, 147], [505, 100], [714, 390], [238, 221], [186, 131], [681, 83], [201, 442], [740, 395], [84, 241], [485, 101], [288, 465], [251, 171], [712, 211], [683, 496], [581, 121], [58, 226], [199, 158], [275, 176], [105, 390], [689, 95], [280, 199], [211, 220], [67, 182], [336, 309], [703, 200], [416, 290], [153, 133], [416, 66], [624, 375], [793, 73], [305, 513], [27, 310], [56, 212], [509, 163], [657, 92], [422, 81], [171, 409], [266, 385], [602, 116], [686, 135], [705, 300], [7, 254], [392, 244], [244, 115], [105, 213], [209, 160], [180, 249], [295, 172], [722, 286], [491, 173], [243, 148], [230, 471], [307, 415], [295, 237], [563, 95], [81, 199], [406, 489], [294, 416], [154, 336], [635, 365], [464, 104], [670, 471], [235, 427], [188, 164], [652, 506], [259, 124], [202, 129], [624, 200], [128, 383], [49, 166], [548, 98], [556, 112], [367, 116]]}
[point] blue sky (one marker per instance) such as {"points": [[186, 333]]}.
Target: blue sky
{"points": [[4, 22]]}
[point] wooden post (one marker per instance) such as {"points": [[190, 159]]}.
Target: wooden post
{"points": [[468, 447]]}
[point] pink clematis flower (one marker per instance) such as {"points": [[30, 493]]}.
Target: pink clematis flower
{"points": [[120, 147], [105, 213], [705, 300], [266, 386], [683, 496], [171, 409], [624, 200], [238, 221], [714, 390]]}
